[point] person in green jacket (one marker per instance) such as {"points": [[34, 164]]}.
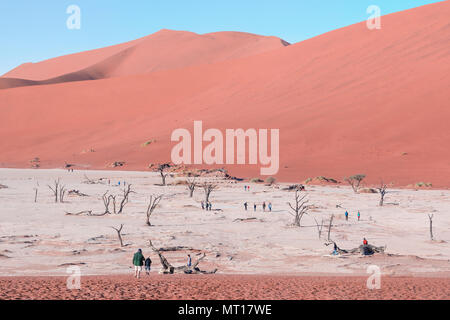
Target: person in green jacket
{"points": [[138, 262]]}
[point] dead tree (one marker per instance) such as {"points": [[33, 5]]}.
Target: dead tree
{"points": [[35, 194], [126, 193], [154, 201], [167, 268], [430, 216], [87, 212], [112, 200], [329, 227], [56, 190], [164, 175], [119, 230], [355, 181], [191, 186], [106, 202], [299, 208], [208, 187], [319, 227], [382, 191], [62, 193]]}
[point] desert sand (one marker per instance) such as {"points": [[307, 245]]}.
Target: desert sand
{"points": [[221, 287], [42, 240], [349, 101]]}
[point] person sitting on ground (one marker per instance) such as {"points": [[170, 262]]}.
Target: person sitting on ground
{"points": [[335, 251], [138, 262], [148, 264]]}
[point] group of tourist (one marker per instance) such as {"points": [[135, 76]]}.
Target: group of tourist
{"points": [[139, 261], [264, 206], [207, 206], [347, 216]]}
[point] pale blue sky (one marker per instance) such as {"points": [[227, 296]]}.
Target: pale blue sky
{"points": [[31, 31]]}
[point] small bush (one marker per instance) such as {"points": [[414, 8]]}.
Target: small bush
{"points": [[423, 184], [256, 180], [270, 180], [149, 142]]}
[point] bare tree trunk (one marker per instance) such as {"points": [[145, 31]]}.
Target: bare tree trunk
{"points": [[430, 216], [106, 201], [329, 226], [299, 209], [55, 189], [208, 187], [154, 201], [62, 193], [119, 230], [126, 193], [161, 169], [191, 186], [112, 200], [319, 227], [382, 191]]}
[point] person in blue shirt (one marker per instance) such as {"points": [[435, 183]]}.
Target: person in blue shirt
{"points": [[189, 261]]}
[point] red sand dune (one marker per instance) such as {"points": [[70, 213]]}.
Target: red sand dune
{"points": [[162, 50], [350, 101], [224, 287]]}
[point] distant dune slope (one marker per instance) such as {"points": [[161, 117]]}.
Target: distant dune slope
{"points": [[163, 50], [350, 101]]}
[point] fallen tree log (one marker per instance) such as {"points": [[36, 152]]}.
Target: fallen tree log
{"points": [[244, 219], [365, 249], [167, 268], [177, 248], [88, 212]]}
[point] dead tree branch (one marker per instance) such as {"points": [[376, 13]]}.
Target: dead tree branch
{"points": [[208, 187], [106, 202], [167, 268], [319, 227], [382, 191], [329, 227], [161, 170], [153, 203], [430, 216], [191, 186], [58, 191], [299, 208], [126, 193], [119, 231], [88, 212]]}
